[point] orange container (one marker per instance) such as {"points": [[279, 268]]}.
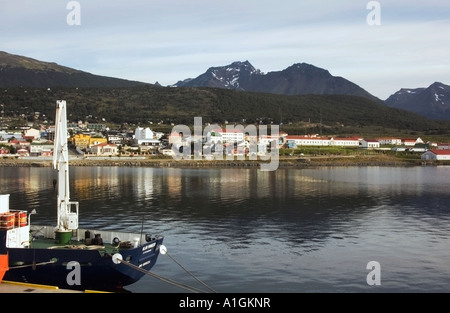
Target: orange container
{"points": [[7, 220], [20, 219]]}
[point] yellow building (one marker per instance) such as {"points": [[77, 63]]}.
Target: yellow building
{"points": [[93, 141], [83, 141]]}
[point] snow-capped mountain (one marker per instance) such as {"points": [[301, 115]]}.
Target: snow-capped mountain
{"points": [[298, 79], [432, 102], [233, 76]]}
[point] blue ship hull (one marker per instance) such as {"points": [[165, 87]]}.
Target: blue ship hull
{"points": [[70, 267]]}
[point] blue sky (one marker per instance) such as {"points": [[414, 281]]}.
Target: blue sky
{"points": [[170, 40]]}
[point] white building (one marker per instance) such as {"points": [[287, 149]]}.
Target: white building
{"points": [[369, 144], [294, 141], [411, 142], [225, 135], [145, 137], [32, 133], [390, 141], [307, 141], [106, 149], [41, 149], [345, 141]]}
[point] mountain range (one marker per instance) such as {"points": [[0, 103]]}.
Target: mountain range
{"points": [[298, 79]]}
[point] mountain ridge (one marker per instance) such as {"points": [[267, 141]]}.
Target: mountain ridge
{"points": [[16, 70], [432, 102], [297, 79]]}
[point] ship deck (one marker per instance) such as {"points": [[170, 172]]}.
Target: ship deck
{"points": [[50, 243], [43, 237]]}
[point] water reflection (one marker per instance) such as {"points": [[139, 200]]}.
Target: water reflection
{"points": [[323, 225]]}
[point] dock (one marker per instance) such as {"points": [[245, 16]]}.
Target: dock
{"points": [[17, 287]]}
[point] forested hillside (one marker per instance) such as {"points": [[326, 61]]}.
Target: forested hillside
{"points": [[153, 104]]}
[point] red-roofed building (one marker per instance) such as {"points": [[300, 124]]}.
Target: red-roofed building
{"points": [[105, 149], [411, 142], [436, 155]]}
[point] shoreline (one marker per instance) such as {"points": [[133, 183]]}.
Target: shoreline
{"points": [[284, 162]]}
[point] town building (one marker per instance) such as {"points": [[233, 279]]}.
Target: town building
{"points": [[436, 155], [105, 149], [369, 144]]}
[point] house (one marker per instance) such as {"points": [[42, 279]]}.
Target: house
{"points": [[115, 139], [21, 146], [411, 142], [41, 148], [436, 155], [369, 144], [105, 149], [32, 134]]}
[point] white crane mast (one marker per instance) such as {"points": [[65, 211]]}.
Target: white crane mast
{"points": [[67, 217]]}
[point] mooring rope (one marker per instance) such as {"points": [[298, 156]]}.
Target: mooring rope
{"points": [[189, 272], [165, 279], [33, 265]]}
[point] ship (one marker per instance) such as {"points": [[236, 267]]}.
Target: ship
{"points": [[64, 255]]}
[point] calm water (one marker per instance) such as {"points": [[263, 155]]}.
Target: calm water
{"points": [[248, 231]]}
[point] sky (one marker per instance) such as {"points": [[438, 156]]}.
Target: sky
{"points": [[382, 46]]}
